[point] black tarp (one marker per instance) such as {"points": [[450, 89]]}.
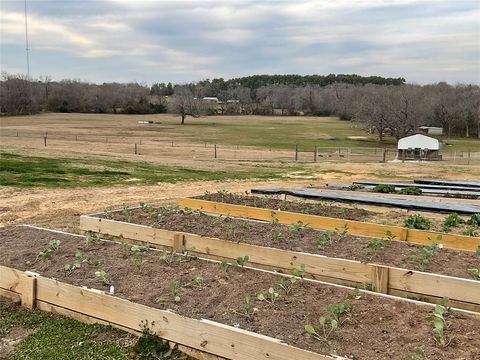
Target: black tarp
{"points": [[421, 186], [433, 206], [468, 183]]}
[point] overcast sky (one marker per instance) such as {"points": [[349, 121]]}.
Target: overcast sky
{"points": [[160, 41]]}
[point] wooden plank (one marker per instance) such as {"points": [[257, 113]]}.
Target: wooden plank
{"points": [[28, 290], [281, 259], [357, 228], [428, 284], [380, 278], [10, 279], [44, 306], [127, 230], [211, 337], [11, 295]]}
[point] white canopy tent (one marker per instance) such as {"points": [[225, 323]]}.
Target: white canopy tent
{"points": [[419, 147]]}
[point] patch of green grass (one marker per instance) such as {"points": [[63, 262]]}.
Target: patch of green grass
{"points": [[57, 337], [33, 171]]}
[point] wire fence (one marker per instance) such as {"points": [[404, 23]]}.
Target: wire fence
{"points": [[145, 145]]}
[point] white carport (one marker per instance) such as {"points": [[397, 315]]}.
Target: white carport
{"points": [[419, 147]]}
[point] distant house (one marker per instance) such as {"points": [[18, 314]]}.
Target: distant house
{"points": [[419, 147], [431, 130]]}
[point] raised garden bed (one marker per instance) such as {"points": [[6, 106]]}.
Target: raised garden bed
{"points": [[328, 209], [286, 248], [359, 228], [220, 298]]}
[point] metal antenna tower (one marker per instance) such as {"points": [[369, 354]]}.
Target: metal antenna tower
{"points": [[26, 41]]}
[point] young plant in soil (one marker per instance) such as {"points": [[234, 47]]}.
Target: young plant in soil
{"points": [[271, 296], [324, 239], [174, 286], [126, 213], [417, 221], [168, 258], [337, 315], [422, 259], [474, 220], [232, 230], [104, 277], [376, 245], [298, 227], [247, 307], [343, 232], [137, 253], [474, 273], [72, 267], [278, 235], [199, 281], [85, 259], [300, 272], [440, 327], [52, 248], [242, 261], [287, 284], [452, 220], [470, 232], [420, 354], [225, 266], [91, 239]]}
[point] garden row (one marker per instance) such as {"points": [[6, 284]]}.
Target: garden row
{"points": [[223, 308], [453, 223], [381, 264]]}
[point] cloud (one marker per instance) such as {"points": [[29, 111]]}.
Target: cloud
{"points": [[124, 40]]}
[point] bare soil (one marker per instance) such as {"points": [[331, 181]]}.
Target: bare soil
{"points": [[298, 238], [362, 335]]}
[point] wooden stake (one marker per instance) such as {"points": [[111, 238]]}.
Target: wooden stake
{"points": [[28, 287], [296, 152], [178, 242]]}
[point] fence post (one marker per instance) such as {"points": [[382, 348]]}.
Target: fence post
{"points": [[315, 154], [468, 162], [45, 140], [178, 242], [403, 156], [136, 153], [296, 152], [384, 158], [215, 147]]}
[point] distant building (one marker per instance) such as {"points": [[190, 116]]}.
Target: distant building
{"points": [[419, 147], [431, 130]]}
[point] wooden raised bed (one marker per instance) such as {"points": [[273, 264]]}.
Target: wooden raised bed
{"points": [[358, 228], [463, 293], [90, 305]]}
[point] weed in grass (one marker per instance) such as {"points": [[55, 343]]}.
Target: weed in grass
{"points": [[420, 354], [53, 247], [104, 277], [417, 221], [421, 260], [150, 346], [271, 296], [241, 261], [440, 327]]}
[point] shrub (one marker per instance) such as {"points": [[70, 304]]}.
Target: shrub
{"points": [[384, 188], [417, 221], [452, 220], [411, 190], [474, 220]]}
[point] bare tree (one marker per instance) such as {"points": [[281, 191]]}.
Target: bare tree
{"points": [[184, 104]]}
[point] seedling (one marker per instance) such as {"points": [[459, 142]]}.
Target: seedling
{"points": [[242, 261], [174, 286], [330, 323], [477, 252], [137, 256], [84, 259], [420, 354], [375, 246], [298, 227], [470, 232], [52, 248], [90, 239], [324, 239], [417, 221], [440, 326], [474, 220], [287, 284], [247, 225], [104, 277], [168, 258], [339, 311], [108, 213], [422, 259], [72, 267], [126, 213], [452, 220], [150, 346], [271, 296], [343, 232], [231, 230], [300, 272], [474, 272], [247, 308], [186, 226], [278, 235], [199, 280], [225, 265]]}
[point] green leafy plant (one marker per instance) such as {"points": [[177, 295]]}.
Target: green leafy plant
{"points": [[247, 307], [438, 319], [474, 220], [232, 228], [242, 260], [417, 221], [297, 227], [150, 346], [422, 259], [477, 252], [474, 273], [247, 225], [278, 235], [104, 277], [199, 281], [90, 239], [324, 239], [374, 247], [287, 284], [137, 253], [411, 190], [52, 248], [470, 232], [420, 354], [174, 286], [330, 323], [300, 272], [126, 213], [225, 266], [84, 259], [108, 213], [452, 220], [71, 267], [168, 258], [343, 232], [384, 188], [271, 296]]}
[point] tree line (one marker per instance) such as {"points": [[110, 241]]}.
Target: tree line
{"points": [[380, 105]]}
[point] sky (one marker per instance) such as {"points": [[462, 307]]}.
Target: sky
{"points": [[424, 41]]}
